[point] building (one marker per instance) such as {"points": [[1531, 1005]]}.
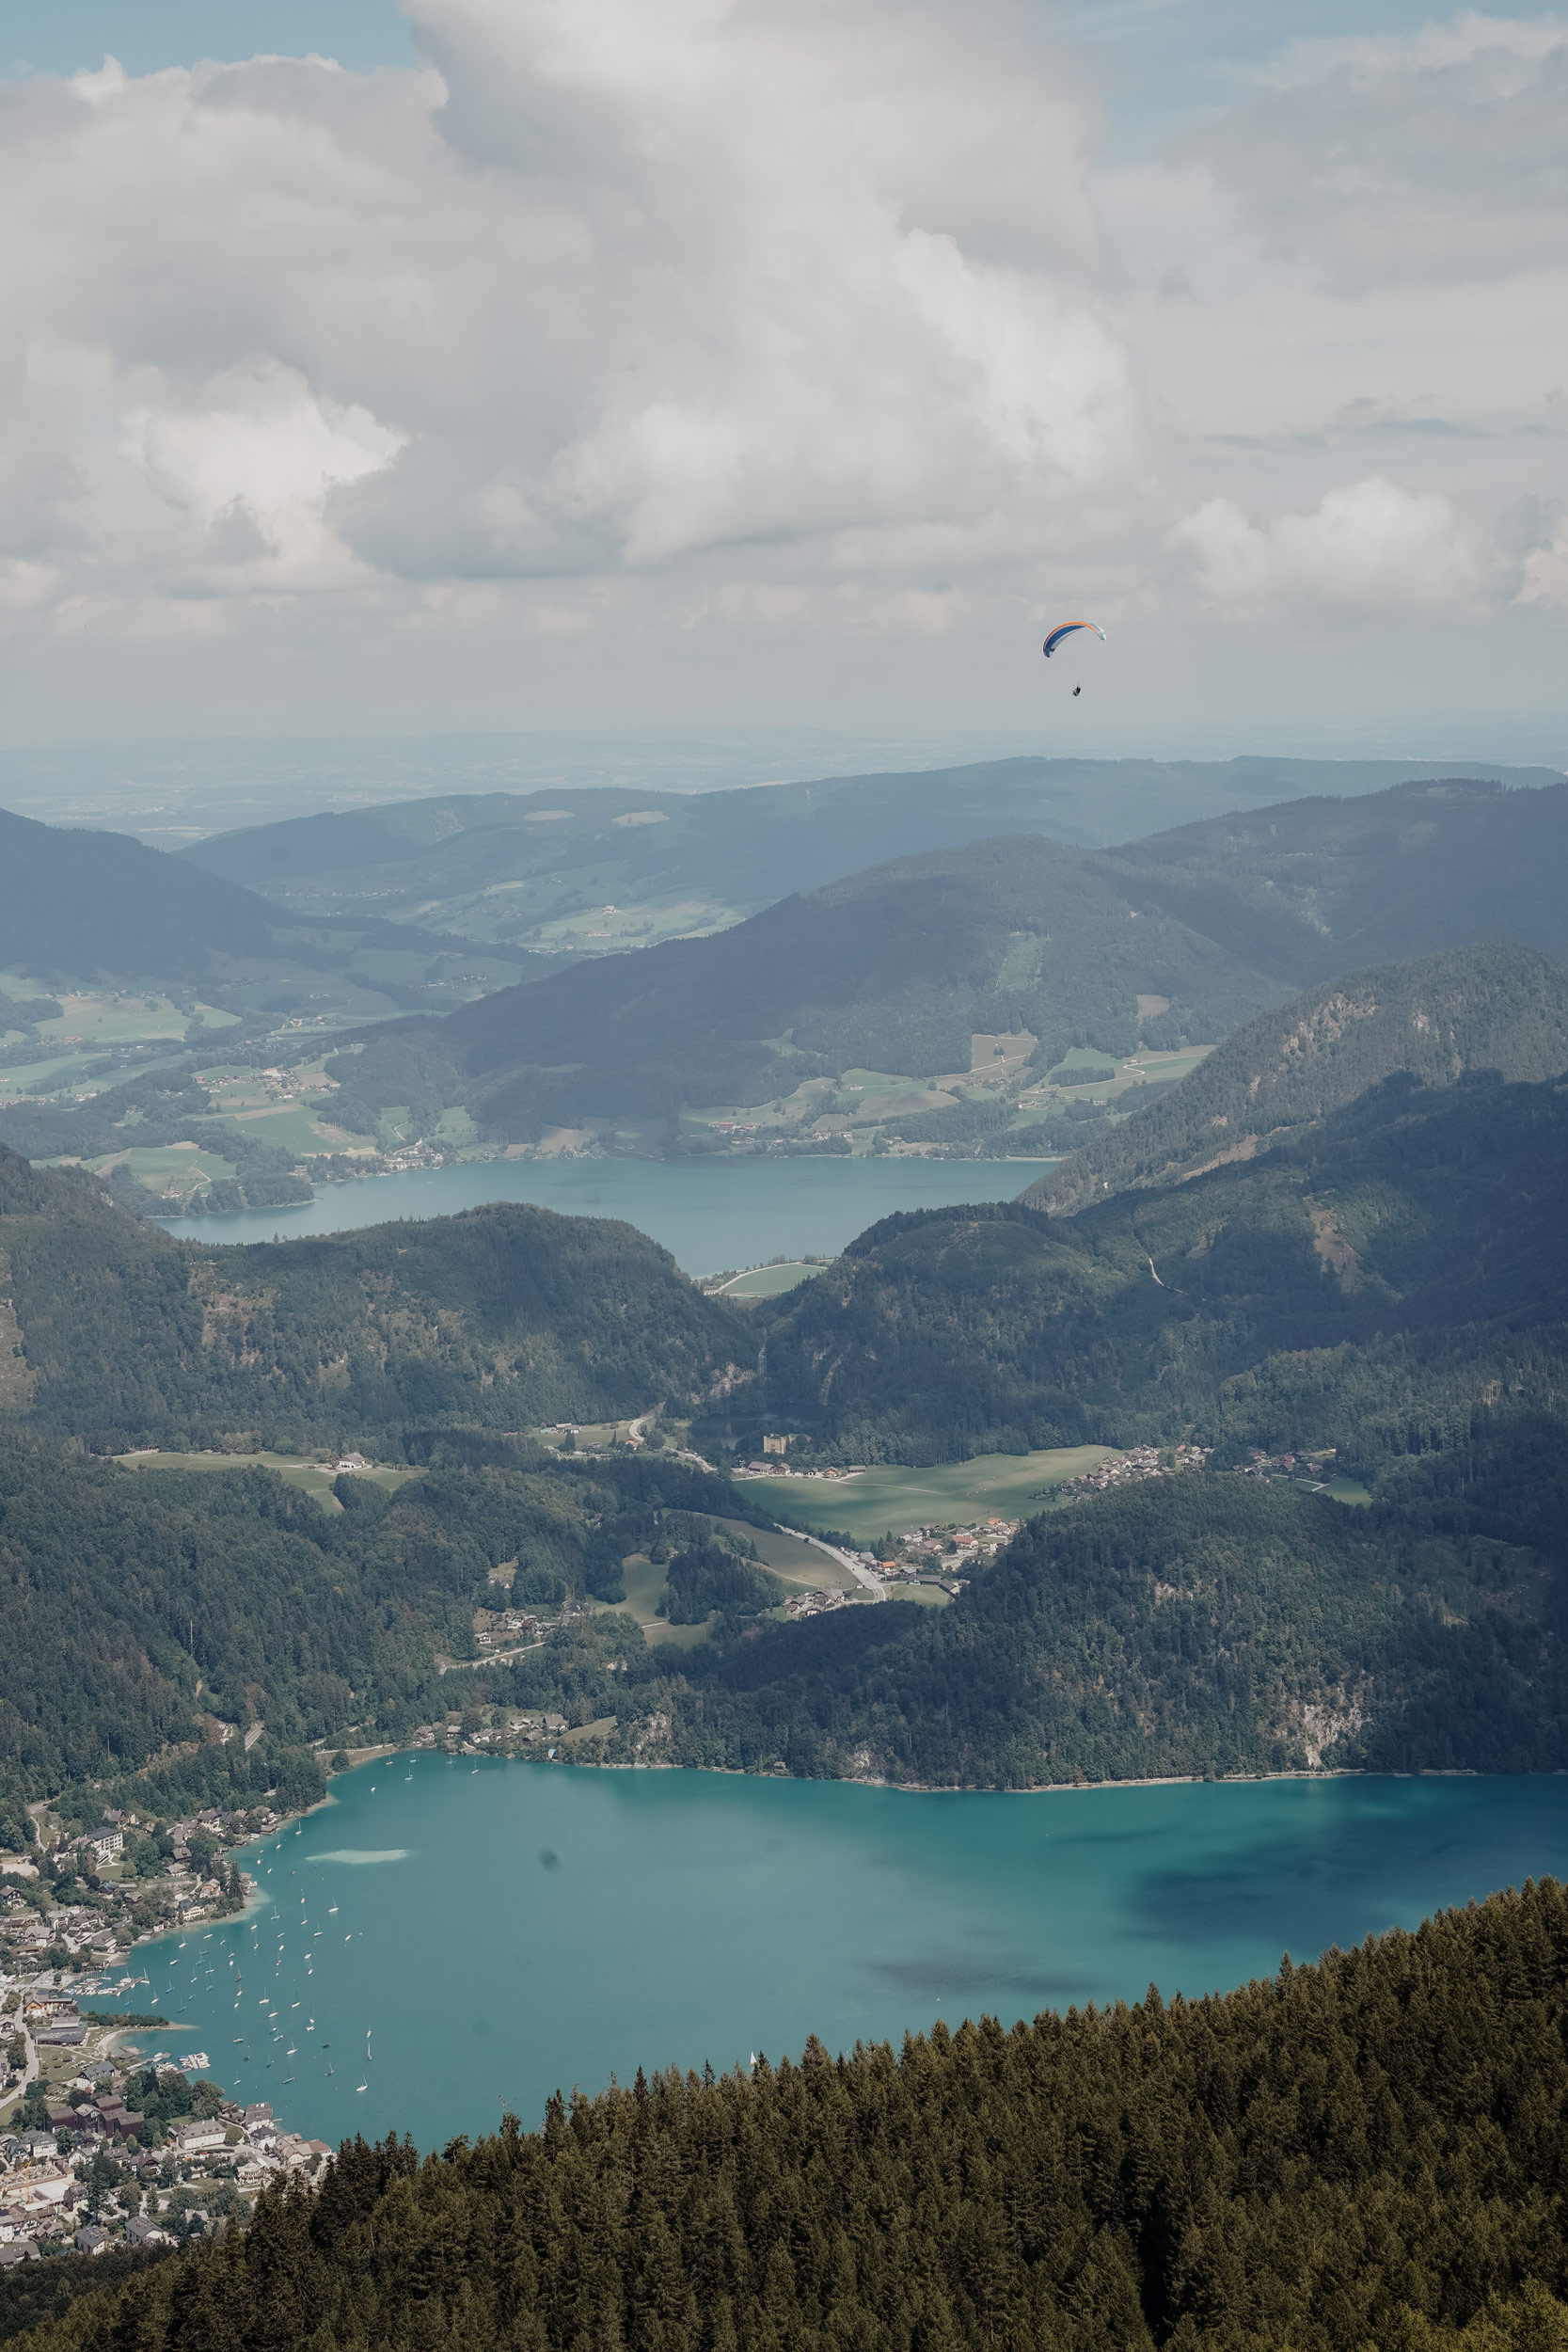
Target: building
{"points": [[775, 1445], [140, 2230]]}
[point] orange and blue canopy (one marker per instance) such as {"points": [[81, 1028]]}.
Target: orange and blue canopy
{"points": [[1065, 628]]}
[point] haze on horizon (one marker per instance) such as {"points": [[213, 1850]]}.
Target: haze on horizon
{"points": [[540, 365]]}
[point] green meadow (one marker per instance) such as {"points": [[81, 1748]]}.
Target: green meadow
{"points": [[999, 1486], [311, 1475]]}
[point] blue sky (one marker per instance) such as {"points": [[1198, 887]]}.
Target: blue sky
{"points": [[63, 36], [688, 362]]}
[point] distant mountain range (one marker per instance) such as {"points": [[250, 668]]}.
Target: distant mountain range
{"points": [[1173, 943], [84, 904], [99, 917], [1178, 940], [620, 867], [1388, 1278]]}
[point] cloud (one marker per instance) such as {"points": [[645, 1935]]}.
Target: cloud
{"points": [[1437, 156], [606, 286], [252, 460], [1367, 543], [734, 333]]}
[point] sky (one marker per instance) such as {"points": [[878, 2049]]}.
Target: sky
{"points": [[555, 364]]}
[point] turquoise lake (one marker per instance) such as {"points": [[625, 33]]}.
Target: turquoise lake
{"points": [[710, 1216], [461, 1939]]}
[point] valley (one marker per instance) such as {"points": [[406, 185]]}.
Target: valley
{"points": [[1010, 998], [1157, 1405]]}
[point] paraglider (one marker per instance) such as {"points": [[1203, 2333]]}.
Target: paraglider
{"points": [[1070, 629], [1066, 628]]}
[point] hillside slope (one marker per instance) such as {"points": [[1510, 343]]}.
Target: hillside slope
{"points": [[1497, 1006], [88, 903], [1315, 887], [1201, 1624], [1170, 942], [894, 970], [1364, 2152], [539, 866], [138, 1604], [1394, 1283], [505, 1316]]}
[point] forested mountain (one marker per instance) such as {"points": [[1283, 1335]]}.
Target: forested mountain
{"points": [[84, 904], [141, 1610], [894, 969], [1316, 888], [1199, 1624], [505, 1316], [532, 865], [1173, 941], [1367, 2152], [1497, 1006], [1393, 1283]]}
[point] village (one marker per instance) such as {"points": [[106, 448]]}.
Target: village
{"points": [[98, 2145], [934, 1557], [1139, 1461], [103, 2147]]}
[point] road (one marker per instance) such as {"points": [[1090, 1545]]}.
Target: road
{"points": [[873, 1585], [8, 2026]]}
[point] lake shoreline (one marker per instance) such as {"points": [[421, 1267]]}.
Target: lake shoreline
{"points": [[655, 1919]]}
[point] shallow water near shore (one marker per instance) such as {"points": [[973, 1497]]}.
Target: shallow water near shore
{"points": [[710, 1214], [462, 1941]]}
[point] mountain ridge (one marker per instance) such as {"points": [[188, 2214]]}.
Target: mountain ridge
{"points": [[1497, 1007], [504, 1317]]}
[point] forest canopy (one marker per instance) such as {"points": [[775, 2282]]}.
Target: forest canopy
{"points": [[1366, 2152]]}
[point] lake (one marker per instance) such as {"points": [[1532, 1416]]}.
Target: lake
{"points": [[710, 1216], [461, 1939]]}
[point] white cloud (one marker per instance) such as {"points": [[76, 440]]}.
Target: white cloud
{"points": [[1369, 543], [1436, 155], [622, 282], [255, 460], [738, 326]]}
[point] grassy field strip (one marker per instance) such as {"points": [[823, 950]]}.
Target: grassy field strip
{"points": [[766, 1281], [1004, 1485], [310, 1475]]}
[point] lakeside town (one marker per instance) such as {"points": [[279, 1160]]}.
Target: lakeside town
{"points": [[102, 2145], [105, 2143]]}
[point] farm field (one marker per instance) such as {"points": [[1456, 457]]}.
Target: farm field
{"points": [[314, 1479], [795, 1562], [798, 1563], [1004, 1485], [767, 1281], [608, 930], [644, 1581], [168, 1169]]}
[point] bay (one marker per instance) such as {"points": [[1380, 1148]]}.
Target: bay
{"points": [[710, 1214], [462, 1939]]}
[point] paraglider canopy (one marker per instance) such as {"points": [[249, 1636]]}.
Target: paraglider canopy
{"points": [[1066, 628]]}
